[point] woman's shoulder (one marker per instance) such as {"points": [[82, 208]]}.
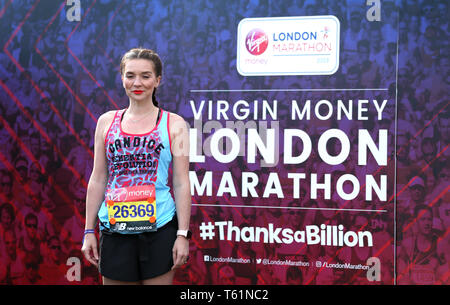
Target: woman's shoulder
{"points": [[176, 123], [174, 117], [107, 117], [105, 120]]}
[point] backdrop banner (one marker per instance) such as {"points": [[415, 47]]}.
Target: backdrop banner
{"points": [[318, 131]]}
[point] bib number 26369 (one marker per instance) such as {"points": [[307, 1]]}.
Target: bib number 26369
{"points": [[135, 212]]}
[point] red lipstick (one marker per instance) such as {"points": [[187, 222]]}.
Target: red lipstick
{"points": [[138, 92]]}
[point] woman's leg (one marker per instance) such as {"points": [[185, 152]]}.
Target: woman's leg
{"points": [[107, 281], [164, 279]]}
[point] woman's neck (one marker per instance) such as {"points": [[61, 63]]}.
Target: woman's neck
{"points": [[140, 108]]}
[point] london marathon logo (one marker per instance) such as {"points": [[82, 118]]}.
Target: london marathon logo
{"points": [[303, 45], [256, 42]]}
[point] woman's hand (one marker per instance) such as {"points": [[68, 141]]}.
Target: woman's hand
{"points": [[89, 248], [180, 252]]}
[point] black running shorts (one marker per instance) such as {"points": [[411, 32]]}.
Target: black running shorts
{"points": [[136, 257]]}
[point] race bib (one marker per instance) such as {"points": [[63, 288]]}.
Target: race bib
{"points": [[132, 209]]}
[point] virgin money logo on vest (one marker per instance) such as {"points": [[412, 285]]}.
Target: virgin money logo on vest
{"points": [[256, 42], [131, 193]]}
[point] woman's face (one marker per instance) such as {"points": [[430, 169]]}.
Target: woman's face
{"points": [[5, 219], [139, 79]]}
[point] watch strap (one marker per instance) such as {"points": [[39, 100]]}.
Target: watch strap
{"points": [[184, 233]]}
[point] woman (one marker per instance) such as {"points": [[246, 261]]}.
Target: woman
{"points": [[144, 231]]}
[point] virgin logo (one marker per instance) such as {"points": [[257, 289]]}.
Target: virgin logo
{"points": [[119, 194], [131, 193], [256, 42]]}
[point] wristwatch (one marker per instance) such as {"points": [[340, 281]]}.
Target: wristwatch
{"points": [[185, 233]]}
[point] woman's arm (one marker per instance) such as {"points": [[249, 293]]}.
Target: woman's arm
{"points": [[181, 186], [96, 188]]}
